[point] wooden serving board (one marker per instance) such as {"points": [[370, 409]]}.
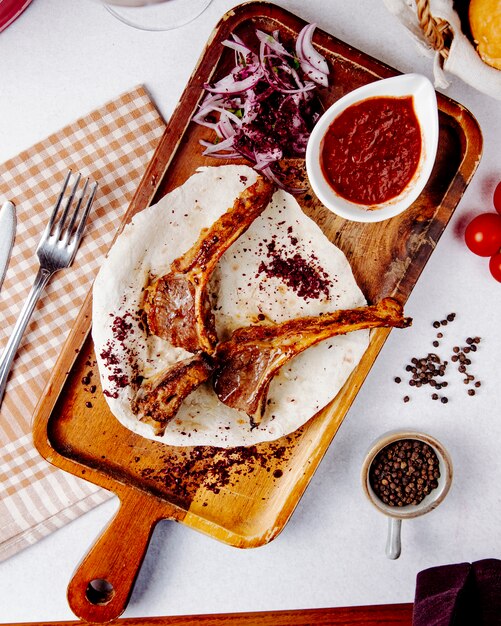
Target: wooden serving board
{"points": [[242, 496]]}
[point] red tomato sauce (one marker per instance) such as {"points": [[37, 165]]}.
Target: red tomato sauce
{"points": [[371, 151]]}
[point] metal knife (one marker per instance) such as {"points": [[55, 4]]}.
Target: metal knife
{"points": [[7, 235]]}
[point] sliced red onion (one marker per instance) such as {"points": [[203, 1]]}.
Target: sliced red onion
{"points": [[225, 128], [306, 50], [272, 43], [224, 155], [312, 62], [229, 115], [238, 39], [238, 47], [264, 159], [315, 75], [228, 85], [309, 86], [268, 172], [265, 84], [210, 148]]}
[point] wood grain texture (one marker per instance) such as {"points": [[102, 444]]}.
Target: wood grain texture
{"points": [[116, 562], [243, 497], [381, 615]]}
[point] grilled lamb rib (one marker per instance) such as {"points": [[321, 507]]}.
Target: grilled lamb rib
{"points": [[248, 361], [177, 304], [158, 401]]}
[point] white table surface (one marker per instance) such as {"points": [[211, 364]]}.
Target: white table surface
{"points": [[60, 60]]}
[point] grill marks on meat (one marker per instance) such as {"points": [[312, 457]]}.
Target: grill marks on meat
{"points": [[248, 361], [178, 309], [177, 305], [158, 401]]}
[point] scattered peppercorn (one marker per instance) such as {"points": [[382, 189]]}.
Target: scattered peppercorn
{"points": [[404, 472], [464, 362], [428, 369]]}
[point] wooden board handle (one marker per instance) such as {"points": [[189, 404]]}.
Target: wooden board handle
{"points": [[102, 584]]}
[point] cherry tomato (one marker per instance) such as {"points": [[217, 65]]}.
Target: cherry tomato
{"points": [[495, 266], [483, 234], [497, 198]]}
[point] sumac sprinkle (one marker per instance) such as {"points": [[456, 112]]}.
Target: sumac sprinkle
{"points": [[186, 470], [304, 277], [121, 327], [108, 356], [119, 380]]}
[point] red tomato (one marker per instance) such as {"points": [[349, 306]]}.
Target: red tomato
{"points": [[495, 266], [497, 198], [483, 234]]}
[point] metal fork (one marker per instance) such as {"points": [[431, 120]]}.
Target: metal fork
{"points": [[57, 249]]}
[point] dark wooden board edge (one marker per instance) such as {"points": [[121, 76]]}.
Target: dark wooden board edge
{"points": [[373, 615]]}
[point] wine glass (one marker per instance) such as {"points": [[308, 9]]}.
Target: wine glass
{"points": [[156, 15]]}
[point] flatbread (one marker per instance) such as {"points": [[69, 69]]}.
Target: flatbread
{"points": [[244, 289]]}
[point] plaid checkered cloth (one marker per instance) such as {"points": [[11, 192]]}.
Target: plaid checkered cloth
{"points": [[112, 145]]}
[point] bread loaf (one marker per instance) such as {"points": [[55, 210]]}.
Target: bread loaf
{"points": [[485, 24]]}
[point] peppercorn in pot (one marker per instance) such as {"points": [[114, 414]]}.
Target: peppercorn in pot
{"points": [[404, 475]]}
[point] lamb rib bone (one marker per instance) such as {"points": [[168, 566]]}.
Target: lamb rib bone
{"points": [[249, 360], [158, 400], [177, 305]]}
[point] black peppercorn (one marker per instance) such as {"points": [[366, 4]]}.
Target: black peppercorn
{"points": [[404, 472]]}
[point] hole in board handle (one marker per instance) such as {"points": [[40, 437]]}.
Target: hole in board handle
{"points": [[99, 592]]}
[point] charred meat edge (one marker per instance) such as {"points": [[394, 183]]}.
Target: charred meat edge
{"points": [[249, 360], [159, 399], [177, 304]]}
